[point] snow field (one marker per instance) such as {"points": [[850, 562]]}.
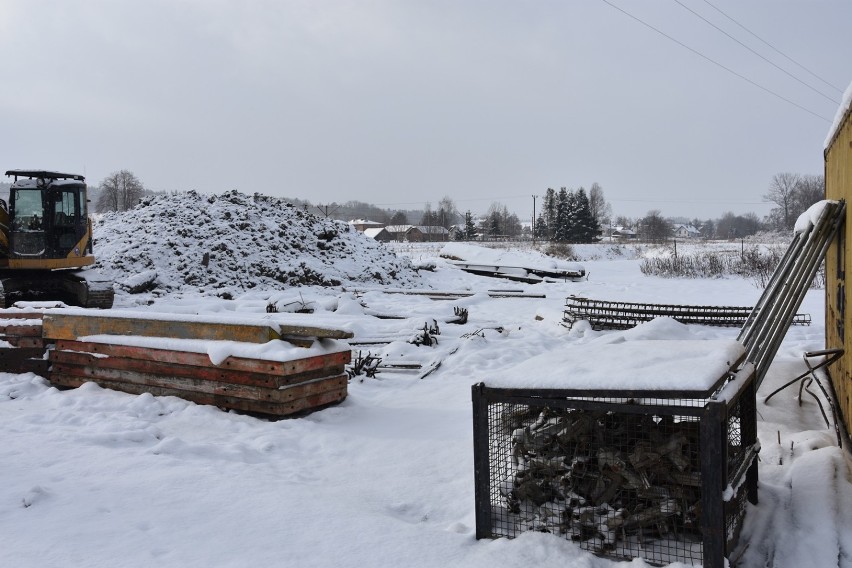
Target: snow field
{"points": [[93, 477]]}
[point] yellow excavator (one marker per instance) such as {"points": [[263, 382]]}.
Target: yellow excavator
{"points": [[46, 242]]}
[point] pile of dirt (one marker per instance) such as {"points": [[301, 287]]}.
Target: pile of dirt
{"points": [[230, 243]]}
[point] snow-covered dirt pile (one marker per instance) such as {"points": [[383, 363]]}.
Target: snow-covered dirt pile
{"points": [[226, 244]]}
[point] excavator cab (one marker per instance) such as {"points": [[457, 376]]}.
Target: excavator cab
{"points": [[48, 223], [44, 231]]}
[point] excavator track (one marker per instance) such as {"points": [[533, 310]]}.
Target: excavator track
{"points": [[83, 288]]}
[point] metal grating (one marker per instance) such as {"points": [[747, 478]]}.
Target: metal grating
{"points": [[604, 314]]}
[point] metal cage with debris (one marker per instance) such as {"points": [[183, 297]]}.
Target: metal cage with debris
{"points": [[664, 476]]}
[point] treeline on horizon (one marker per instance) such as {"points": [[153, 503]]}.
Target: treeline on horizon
{"points": [[565, 215], [578, 216]]}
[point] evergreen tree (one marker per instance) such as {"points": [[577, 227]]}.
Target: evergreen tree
{"points": [[562, 227], [573, 218], [469, 233], [494, 224], [586, 228], [550, 199], [399, 218], [541, 230]]}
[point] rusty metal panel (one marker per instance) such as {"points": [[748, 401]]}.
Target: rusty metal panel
{"points": [[73, 326], [299, 398], [142, 358]]}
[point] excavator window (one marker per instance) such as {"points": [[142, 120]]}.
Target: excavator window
{"points": [[65, 209], [28, 210]]}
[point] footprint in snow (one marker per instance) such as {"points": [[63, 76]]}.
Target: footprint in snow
{"points": [[33, 496]]}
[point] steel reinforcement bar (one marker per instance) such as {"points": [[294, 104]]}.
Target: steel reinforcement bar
{"points": [[603, 314], [773, 314]]}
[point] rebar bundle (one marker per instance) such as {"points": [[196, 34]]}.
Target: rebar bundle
{"points": [[604, 314], [773, 314]]}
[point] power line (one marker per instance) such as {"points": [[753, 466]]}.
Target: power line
{"points": [[690, 201], [781, 53], [714, 62], [696, 14]]}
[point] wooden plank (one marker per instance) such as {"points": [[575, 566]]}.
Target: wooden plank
{"points": [[235, 390], [73, 326], [295, 367], [310, 402], [93, 365]]}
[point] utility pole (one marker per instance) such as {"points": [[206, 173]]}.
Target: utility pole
{"points": [[533, 221], [324, 209]]}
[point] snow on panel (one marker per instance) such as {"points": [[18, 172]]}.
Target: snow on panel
{"points": [[810, 217], [218, 351], [838, 118], [659, 355], [274, 321]]}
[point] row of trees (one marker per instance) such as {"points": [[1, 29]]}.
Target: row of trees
{"points": [[573, 216], [570, 216], [653, 227], [792, 194]]}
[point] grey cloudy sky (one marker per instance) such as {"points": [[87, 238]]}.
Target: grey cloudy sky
{"points": [[402, 102]]}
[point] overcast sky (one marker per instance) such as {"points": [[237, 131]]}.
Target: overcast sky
{"points": [[403, 102]]}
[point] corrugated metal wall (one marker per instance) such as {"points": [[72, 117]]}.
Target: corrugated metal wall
{"points": [[838, 313]]}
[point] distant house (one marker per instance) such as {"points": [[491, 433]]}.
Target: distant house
{"points": [[378, 234], [418, 234], [624, 234], [686, 232], [433, 233], [398, 232], [363, 224]]}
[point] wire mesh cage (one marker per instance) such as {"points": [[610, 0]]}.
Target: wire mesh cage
{"points": [[632, 474]]}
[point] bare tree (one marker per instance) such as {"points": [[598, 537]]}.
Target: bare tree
{"points": [[653, 228], [447, 212], [809, 190], [782, 192], [119, 191], [601, 210], [624, 222]]}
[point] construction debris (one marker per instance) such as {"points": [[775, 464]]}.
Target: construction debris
{"points": [[529, 275]]}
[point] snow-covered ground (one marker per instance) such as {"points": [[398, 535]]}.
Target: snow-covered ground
{"points": [[92, 477]]}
